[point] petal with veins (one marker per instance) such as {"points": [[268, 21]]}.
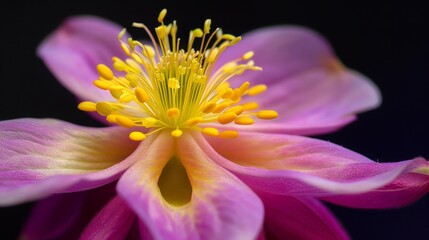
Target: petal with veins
{"points": [[217, 207], [116, 218], [73, 51], [285, 164], [42, 157], [288, 217], [307, 85]]}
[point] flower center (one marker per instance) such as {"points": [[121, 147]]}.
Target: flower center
{"points": [[164, 87]]}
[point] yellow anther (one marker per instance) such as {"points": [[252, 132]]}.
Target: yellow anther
{"points": [[141, 95], [258, 89], [162, 15], [248, 55], [173, 83], [210, 131], [235, 94], [137, 136], [122, 33], [244, 121], [236, 109], [133, 79], [250, 106], [105, 72], [124, 121], [212, 55], [228, 134], [102, 84], [243, 88], [219, 108], [229, 67], [135, 67], [149, 122], [87, 106], [137, 58], [267, 114], [126, 98], [226, 117], [194, 121], [208, 107], [125, 48], [207, 24], [116, 93], [148, 51], [173, 112], [176, 133], [111, 118], [229, 37], [235, 41], [118, 65], [227, 93], [198, 32], [104, 108]]}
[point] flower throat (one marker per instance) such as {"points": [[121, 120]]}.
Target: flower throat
{"points": [[164, 87]]}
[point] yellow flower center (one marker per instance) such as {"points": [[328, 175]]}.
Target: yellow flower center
{"points": [[164, 87]]}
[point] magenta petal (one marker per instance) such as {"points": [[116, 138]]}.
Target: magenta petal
{"points": [[308, 86], [42, 157], [299, 218], [73, 51], [53, 216], [114, 221], [300, 166], [219, 207], [64, 216]]}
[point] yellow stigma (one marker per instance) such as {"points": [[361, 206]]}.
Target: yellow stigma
{"points": [[163, 86]]}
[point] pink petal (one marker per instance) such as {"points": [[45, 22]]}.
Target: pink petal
{"points": [[74, 49], [300, 166], [290, 218], [42, 157], [307, 84], [64, 216], [54, 216], [219, 207], [114, 222]]}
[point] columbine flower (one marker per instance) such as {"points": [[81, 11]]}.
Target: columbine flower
{"points": [[207, 146]]}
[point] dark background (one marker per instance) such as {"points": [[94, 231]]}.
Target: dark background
{"points": [[388, 42]]}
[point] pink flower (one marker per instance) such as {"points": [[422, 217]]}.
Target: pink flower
{"points": [[202, 150]]}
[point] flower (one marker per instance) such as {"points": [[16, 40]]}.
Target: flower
{"points": [[200, 153]]}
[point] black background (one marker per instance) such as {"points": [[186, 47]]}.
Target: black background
{"points": [[387, 41]]}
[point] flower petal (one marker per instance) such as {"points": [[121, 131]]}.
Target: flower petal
{"points": [[74, 49], [64, 216], [114, 221], [300, 166], [308, 86], [42, 157], [219, 207], [52, 217], [289, 218]]}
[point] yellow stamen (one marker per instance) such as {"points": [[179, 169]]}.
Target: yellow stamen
{"points": [[244, 121], [137, 136], [105, 72], [226, 117], [141, 95], [173, 112], [256, 90], [267, 114], [228, 134], [87, 106], [210, 131], [176, 133], [124, 121], [163, 87]]}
